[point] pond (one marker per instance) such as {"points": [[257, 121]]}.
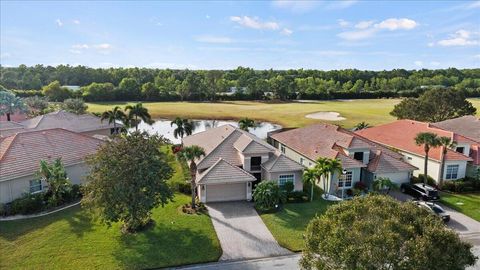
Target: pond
{"points": [[163, 127]]}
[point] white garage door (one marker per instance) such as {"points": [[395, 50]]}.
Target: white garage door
{"points": [[227, 192], [397, 178]]}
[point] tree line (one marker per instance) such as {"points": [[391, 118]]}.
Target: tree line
{"points": [[147, 84]]}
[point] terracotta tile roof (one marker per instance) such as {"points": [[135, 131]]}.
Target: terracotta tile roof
{"points": [[384, 163], [468, 126], [8, 128], [20, 154], [224, 172], [401, 135]]}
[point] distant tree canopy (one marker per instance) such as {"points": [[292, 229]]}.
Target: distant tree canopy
{"points": [[434, 105], [167, 84]]}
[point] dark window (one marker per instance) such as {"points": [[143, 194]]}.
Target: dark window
{"points": [[258, 176], [255, 163], [358, 156], [460, 149]]}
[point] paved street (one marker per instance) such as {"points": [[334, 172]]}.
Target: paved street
{"points": [[242, 233], [287, 262]]}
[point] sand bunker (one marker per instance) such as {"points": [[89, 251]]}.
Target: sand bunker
{"points": [[329, 116]]}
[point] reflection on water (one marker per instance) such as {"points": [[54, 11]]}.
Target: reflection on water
{"points": [[163, 127]]}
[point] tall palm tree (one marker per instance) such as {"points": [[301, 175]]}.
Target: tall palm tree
{"points": [[246, 123], [190, 154], [113, 116], [428, 140], [327, 167], [445, 143], [311, 176], [137, 112], [184, 127]]}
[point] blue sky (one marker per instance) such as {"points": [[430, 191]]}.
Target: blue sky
{"points": [[223, 35]]}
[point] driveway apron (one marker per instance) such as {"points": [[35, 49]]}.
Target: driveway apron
{"points": [[242, 233]]}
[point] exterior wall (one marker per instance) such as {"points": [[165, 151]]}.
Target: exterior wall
{"points": [[462, 169], [365, 151], [397, 178], [246, 160], [273, 176], [417, 161], [202, 190], [13, 189], [292, 154], [105, 132], [332, 187], [466, 148]]}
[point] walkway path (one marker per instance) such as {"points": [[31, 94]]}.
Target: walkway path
{"points": [[242, 233]]}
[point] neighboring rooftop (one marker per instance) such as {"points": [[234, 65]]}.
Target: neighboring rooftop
{"points": [[20, 154], [468, 126], [224, 172], [60, 119], [401, 135]]}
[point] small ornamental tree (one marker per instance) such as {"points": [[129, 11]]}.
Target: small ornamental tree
{"points": [[59, 186], [268, 195], [378, 232], [74, 105], [127, 180]]}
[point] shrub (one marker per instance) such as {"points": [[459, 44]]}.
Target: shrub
{"points": [[268, 196], [461, 185], [419, 179], [27, 204], [3, 210], [185, 188], [74, 194], [360, 186], [288, 187], [297, 196]]}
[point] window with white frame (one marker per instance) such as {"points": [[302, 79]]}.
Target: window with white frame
{"points": [[284, 178], [301, 161], [35, 186], [345, 180], [452, 172], [282, 148]]}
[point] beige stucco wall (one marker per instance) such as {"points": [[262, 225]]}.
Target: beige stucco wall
{"points": [[333, 186], [433, 166], [292, 154], [397, 178], [12, 189], [273, 176]]}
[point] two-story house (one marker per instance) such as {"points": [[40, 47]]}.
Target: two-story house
{"points": [[400, 135], [361, 159], [235, 161]]}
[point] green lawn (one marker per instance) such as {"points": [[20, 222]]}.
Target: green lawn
{"points": [[289, 224], [70, 240], [469, 204], [289, 114]]}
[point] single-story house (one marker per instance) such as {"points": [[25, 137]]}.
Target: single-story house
{"points": [[85, 123], [400, 135], [21, 153], [235, 162], [362, 160], [468, 126]]}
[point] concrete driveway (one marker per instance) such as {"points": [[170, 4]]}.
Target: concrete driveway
{"points": [[242, 233]]}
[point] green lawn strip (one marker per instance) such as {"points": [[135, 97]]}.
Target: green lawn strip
{"points": [[70, 240], [289, 224], [288, 114], [468, 204]]}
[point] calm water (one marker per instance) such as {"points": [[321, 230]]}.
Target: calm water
{"points": [[162, 127]]}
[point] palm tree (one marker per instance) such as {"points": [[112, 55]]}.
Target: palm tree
{"points": [[428, 140], [246, 123], [9, 104], [326, 167], [113, 116], [383, 183], [138, 111], [190, 154], [311, 176], [445, 143], [362, 125], [184, 127]]}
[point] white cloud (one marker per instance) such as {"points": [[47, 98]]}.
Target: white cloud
{"points": [[59, 22], [357, 35], [341, 4], [213, 39], [435, 63], [102, 46], [418, 63], [207, 16], [286, 32], [475, 4], [343, 23], [296, 6], [477, 56], [460, 38], [80, 46], [396, 24], [75, 51], [364, 24], [76, 22], [254, 22]]}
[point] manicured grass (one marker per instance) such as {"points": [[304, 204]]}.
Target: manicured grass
{"points": [[468, 204], [289, 114], [289, 224], [70, 240]]}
